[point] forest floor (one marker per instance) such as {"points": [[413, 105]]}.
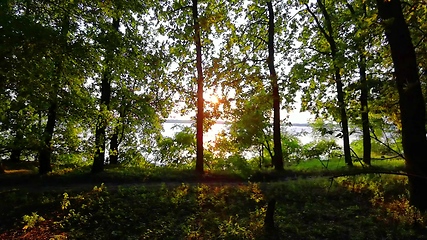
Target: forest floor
{"points": [[164, 203]]}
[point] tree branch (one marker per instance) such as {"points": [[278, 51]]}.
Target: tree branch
{"points": [[182, 8], [386, 145], [317, 21]]}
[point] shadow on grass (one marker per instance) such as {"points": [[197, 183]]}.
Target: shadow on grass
{"points": [[363, 207]]}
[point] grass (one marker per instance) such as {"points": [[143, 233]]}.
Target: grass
{"points": [[364, 207], [25, 173], [220, 205]]}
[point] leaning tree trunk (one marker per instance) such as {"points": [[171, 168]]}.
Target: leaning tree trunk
{"points": [[411, 101], [329, 35], [45, 151], [200, 110], [364, 111], [99, 158], [278, 155]]}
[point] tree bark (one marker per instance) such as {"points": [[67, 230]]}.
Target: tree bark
{"points": [[46, 149], [200, 109], [269, 215], [99, 158], [364, 111], [411, 101], [278, 154], [114, 147]]}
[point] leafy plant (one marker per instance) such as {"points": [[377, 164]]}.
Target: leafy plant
{"points": [[32, 220]]}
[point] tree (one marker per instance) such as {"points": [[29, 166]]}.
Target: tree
{"points": [[329, 35], [100, 138], [364, 90], [411, 101], [200, 109], [45, 151], [249, 65], [278, 155], [191, 47]]}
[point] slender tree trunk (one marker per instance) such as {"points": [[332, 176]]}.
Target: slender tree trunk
{"points": [[114, 147], [411, 101], [99, 158], [329, 35], [200, 110], [46, 149], [363, 93], [364, 111], [278, 155], [344, 120]]}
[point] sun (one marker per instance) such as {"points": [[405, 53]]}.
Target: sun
{"points": [[214, 99]]}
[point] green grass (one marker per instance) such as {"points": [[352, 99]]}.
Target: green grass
{"points": [[25, 173], [169, 203], [322, 167]]}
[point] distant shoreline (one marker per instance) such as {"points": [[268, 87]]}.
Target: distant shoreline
{"points": [[183, 121]]}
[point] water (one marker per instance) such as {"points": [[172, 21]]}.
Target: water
{"points": [[302, 131]]}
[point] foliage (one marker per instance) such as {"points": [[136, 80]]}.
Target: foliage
{"points": [[30, 221], [177, 150]]}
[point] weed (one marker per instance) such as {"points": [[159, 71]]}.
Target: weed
{"points": [[30, 221]]}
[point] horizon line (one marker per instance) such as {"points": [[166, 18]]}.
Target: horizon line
{"points": [[183, 121]]}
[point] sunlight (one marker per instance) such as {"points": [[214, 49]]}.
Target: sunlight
{"points": [[214, 99], [211, 98]]}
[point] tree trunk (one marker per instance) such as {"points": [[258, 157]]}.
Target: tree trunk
{"points": [[363, 93], [339, 85], [269, 215], [46, 149], [99, 158], [200, 110], [114, 147], [344, 120], [364, 111], [411, 101], [278, 155], [16, 152]]}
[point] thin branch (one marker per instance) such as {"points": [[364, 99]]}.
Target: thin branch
{"points": [[374, 136], [350, 8], [316, 50], [317, 21], [419, 42], [182, 8], [262, 39]]}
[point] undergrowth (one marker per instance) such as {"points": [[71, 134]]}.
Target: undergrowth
{"points": [[361, 207]]}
